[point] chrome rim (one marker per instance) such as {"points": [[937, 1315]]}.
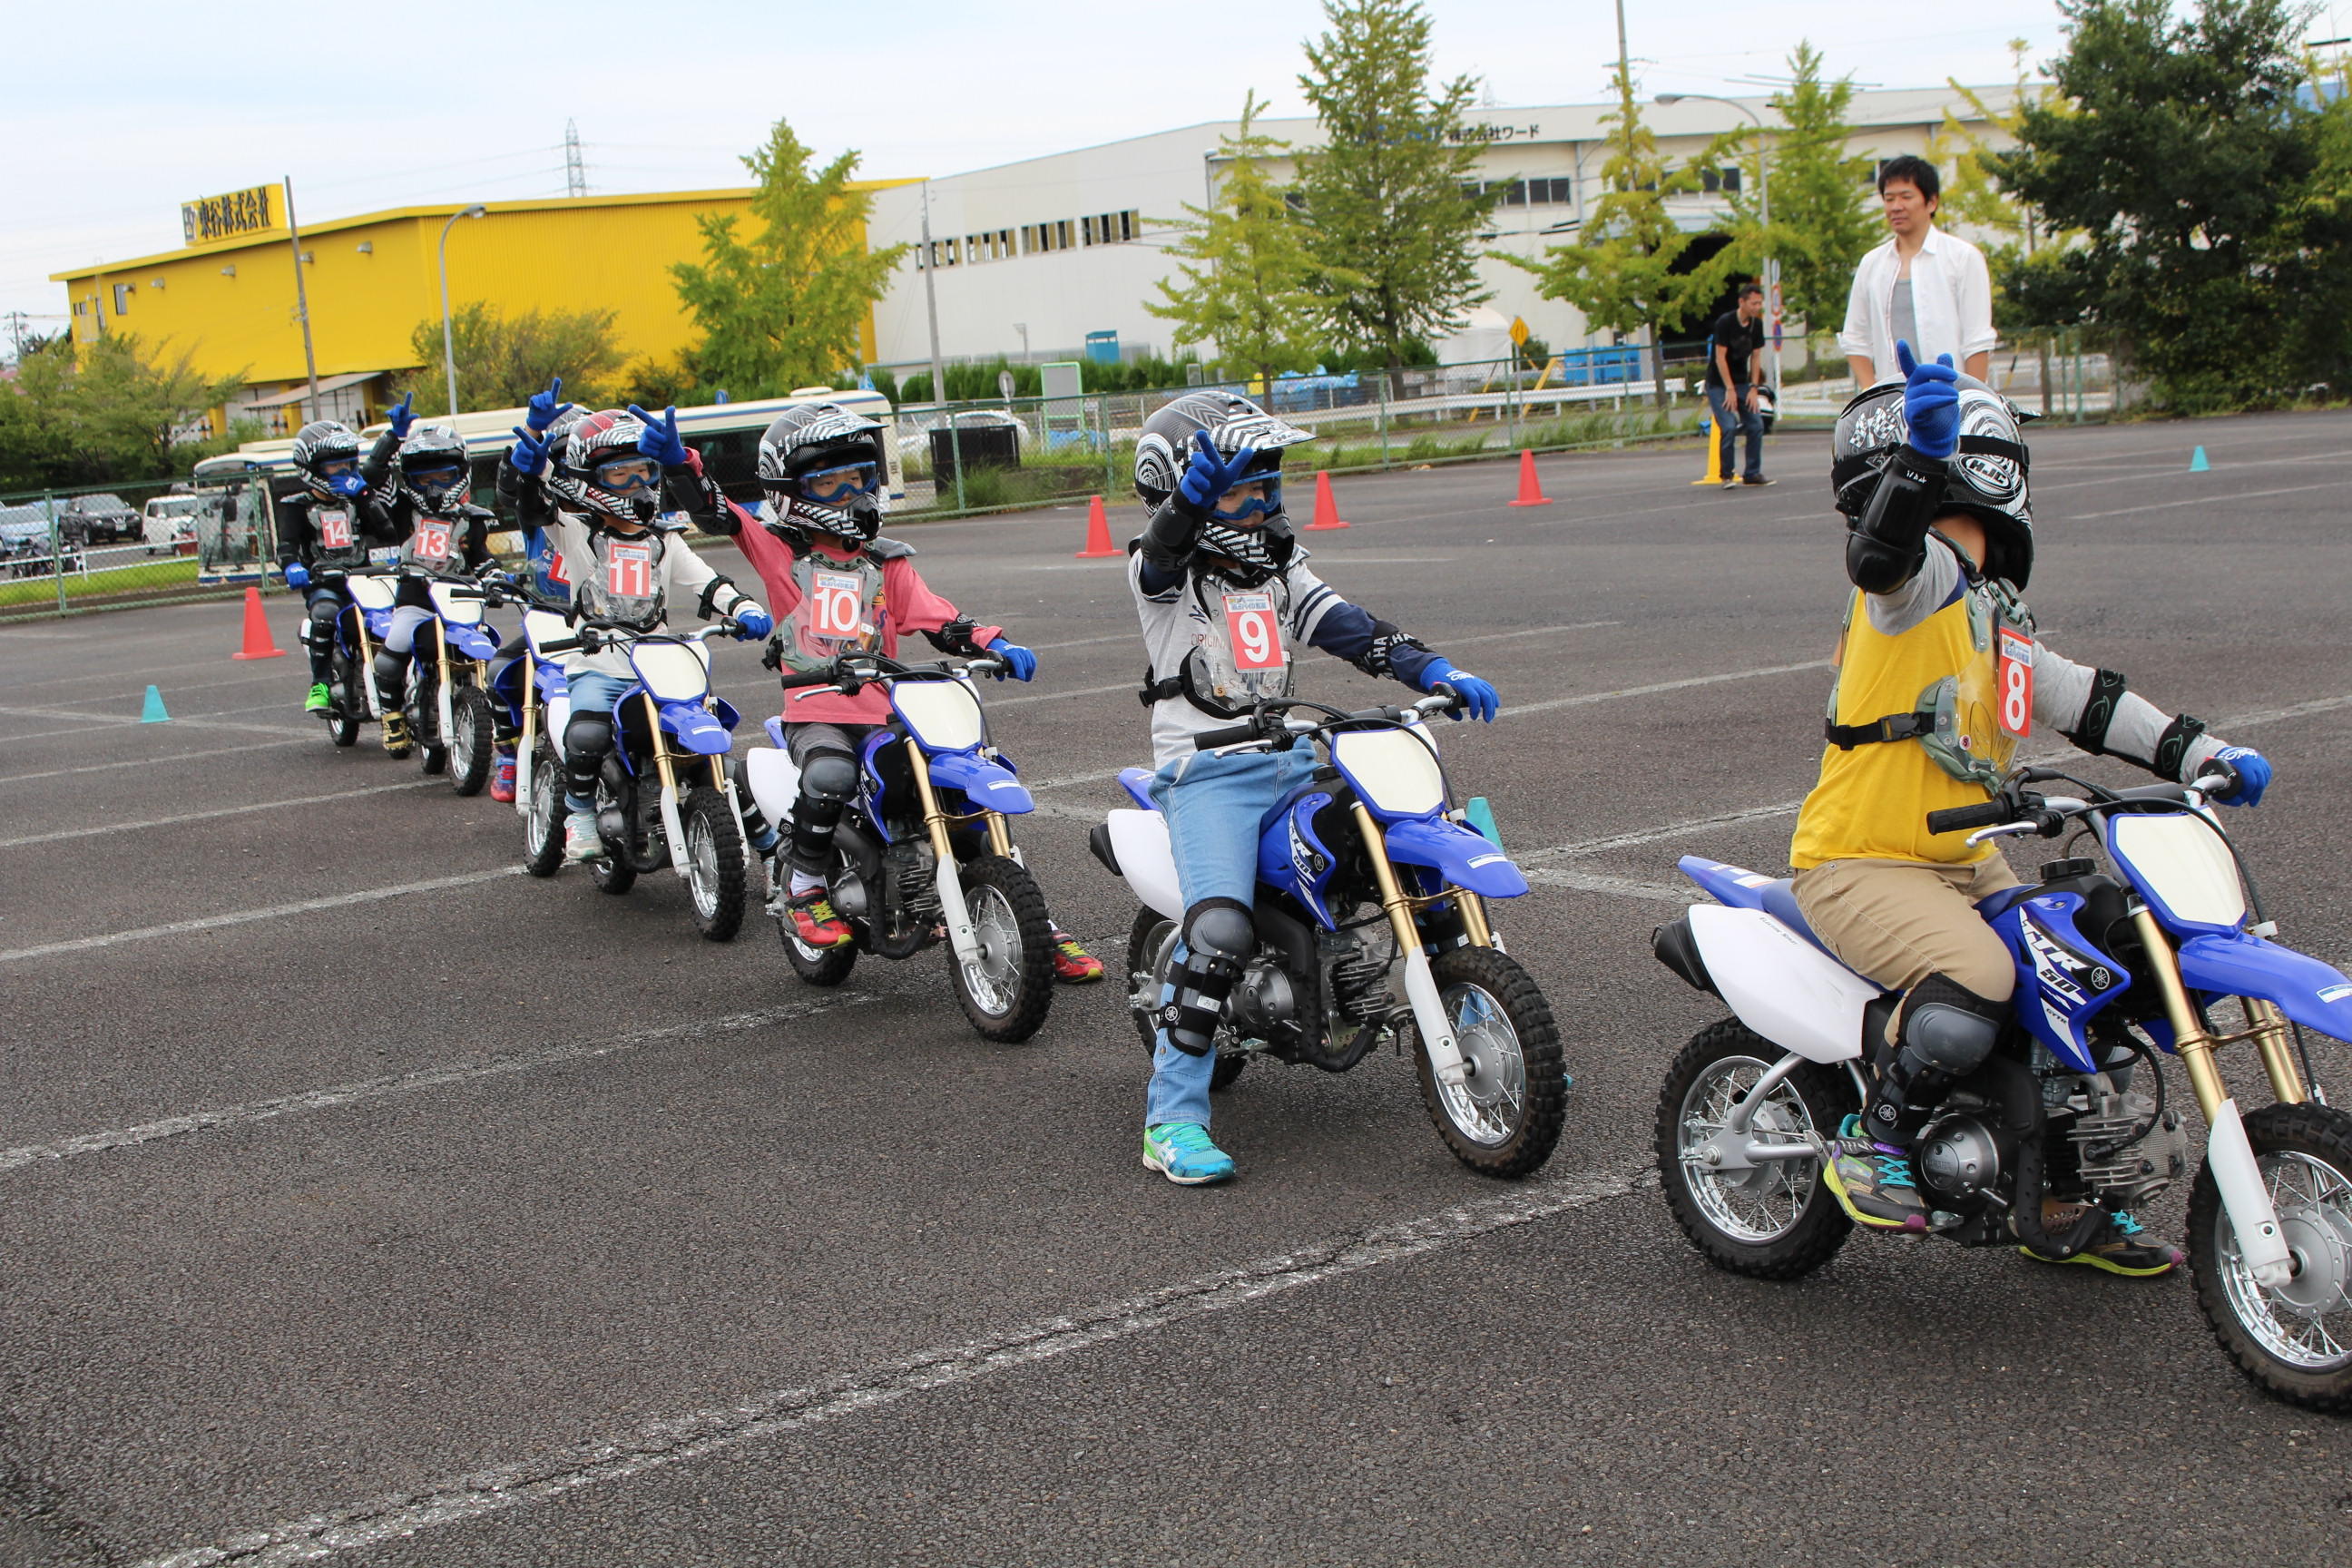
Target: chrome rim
{"points": [[1492, 1099], [994, 977], [2307, 1323], [461, 744], [702, 866], [541, 824], [1762, 1203], [1144, 986]]}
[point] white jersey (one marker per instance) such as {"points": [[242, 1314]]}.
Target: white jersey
{"points": [[1248, 637], [676, 574]]}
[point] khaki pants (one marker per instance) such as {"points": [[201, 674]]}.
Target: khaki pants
{"points": [[1898, 922]]}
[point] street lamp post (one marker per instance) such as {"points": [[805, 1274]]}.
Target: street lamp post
{"points": [[448, 343], [1764, 205]]}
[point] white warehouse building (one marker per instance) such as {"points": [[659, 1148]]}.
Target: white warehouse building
{"points": [[1039, 257]]}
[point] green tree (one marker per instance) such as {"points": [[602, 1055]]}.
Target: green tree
{"points": [[1255, 292], [2214, 217], [1394, 211], [783, 307], [1823, 220], [1626, 269], [502, 358], [103, 412]]}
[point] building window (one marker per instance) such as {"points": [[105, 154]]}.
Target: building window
{"points": [[122, 297], [1037, 238], [943, 254], [1726, 180], [1107, 228]]}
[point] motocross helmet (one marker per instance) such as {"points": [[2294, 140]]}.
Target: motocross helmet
{"points": [[821, 468], [1985, 476], [326, 459], [435, 474], [1165, 447], [601, 474]]}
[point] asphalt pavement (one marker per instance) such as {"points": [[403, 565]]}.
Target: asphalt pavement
{"points": [[361, 1197]]}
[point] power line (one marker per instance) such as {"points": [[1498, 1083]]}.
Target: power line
{"points": [[575, 173]]}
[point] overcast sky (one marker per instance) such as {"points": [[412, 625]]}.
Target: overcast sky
{"points": [[115, 116]]}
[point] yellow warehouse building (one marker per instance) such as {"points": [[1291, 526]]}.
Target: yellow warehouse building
{"points": [[229, 302]]}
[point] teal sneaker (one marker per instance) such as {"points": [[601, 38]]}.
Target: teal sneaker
{"points": [[1872, 1184], [2122, 1245], [1181, 1151]]}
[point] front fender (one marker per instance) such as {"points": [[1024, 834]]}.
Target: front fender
{"points": [[1463, 857], [474, 642], [2307, 991], [696, 728], [983, 783]]}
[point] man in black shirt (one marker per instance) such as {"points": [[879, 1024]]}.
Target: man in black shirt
{"points": [[1735, 349]]}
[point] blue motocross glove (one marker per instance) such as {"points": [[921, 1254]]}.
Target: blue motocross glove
{"points": [[402, 417], [1931, 402], [544, 410], [297, 575], [1479, 699], [660, 442], [529, 454], [1019, 662], [2254, 771], [350, 486], [756, 623], [1207, 476]]}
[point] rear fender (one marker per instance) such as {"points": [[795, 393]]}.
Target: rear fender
{"points": [[2307, 991], [1137, 782], [775, 782], [1780, 985], [1138, 840], [983, 783], [1461, 856]]}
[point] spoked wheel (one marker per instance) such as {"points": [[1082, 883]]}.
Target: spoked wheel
{"points": [[1778, 1219], [343, 718], [2296, 1339], [542, 822], [1006, 990], [1150, 953], [425, 722], [814, 965], [473, 745], [615, 871], [717, 879], [1506, 1117]]}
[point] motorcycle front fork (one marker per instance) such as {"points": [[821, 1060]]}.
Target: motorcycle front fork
{"points": [[1421, 985]]}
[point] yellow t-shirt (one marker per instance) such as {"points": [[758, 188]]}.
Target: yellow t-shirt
{"points": [[1871, 802]]}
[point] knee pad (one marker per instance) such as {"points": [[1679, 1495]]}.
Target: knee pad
{"points": [[1946, 1033], [1219, 937], [587, 741], [830, 775], [828, 784]]}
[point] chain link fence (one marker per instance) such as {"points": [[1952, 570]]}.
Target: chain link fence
{"points": [[64, 550]]}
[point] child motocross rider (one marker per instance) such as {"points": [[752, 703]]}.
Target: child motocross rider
{"points": [[326, 526], [631, 566], [424, 471], [1939, 676], [840, 589], [1218, 549], [545, 425]]}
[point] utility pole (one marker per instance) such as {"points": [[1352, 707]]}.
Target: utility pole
{"points": [[931, 304], [575, 173], [302, 305], [1625, 97], [17, 319]]}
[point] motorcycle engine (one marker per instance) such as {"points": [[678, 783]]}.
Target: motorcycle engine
{"points": [[1957, 1159], [2114, 1162], [1261, 1000]]}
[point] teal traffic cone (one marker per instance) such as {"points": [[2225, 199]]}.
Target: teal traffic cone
{"points": [[2196, 463], [152, 713]]}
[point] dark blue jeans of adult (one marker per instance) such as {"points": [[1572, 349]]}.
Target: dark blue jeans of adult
{"points": [[1734, 414]]}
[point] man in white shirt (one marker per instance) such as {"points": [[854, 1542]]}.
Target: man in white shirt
{"points": [[1923, 287]]}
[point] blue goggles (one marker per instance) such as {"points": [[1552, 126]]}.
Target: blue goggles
{"points": [[434, 478], [623, 474], [825, 485], [335, 467], [1233, 506]]}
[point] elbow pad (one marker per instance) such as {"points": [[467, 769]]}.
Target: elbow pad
{"points": [[955, 638], [2172, 748], [2090, 733], [1169, 538], [1889, 543], [711, 590]]}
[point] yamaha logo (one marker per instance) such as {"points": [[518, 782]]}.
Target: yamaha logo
{"points": [[2101, 979]]}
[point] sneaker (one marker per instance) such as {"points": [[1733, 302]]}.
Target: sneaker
{"points": [[581, 839], [1731, 484], [1872, 1183], [2122, 1245], [814, 923], [1073, 964], [1181, 1151], [320, 701], [502, 779], [1756, 480], [396, 737]]}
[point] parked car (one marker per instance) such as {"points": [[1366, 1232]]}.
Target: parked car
{"points": [[100, 518], [170, 521], [915, 431], [24, 542]]}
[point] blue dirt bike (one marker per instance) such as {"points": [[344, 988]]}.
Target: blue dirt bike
{"points": [[449, 707], [2170, 956], [1372, 926], [538, 699]]}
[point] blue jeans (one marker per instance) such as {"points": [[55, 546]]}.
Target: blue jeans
{"points": [[1213, 812], [593, 693], [1741, 419]]}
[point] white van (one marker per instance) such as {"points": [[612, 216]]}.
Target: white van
{"points": [[170, 521]]}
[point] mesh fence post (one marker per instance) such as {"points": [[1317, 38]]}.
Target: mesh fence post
{"points": [[1110, 466], [1384, 419], [57, 547]]}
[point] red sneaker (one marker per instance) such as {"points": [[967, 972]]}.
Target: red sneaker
{"points": [[814, 923], [502, 778], [1073, 964]]}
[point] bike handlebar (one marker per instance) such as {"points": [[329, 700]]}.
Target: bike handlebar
{"points": [[1960, 818]]}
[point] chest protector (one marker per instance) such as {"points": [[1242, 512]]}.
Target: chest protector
{"points": [[1913, 726], [1241, 651], [625, 583], [435, 544], [841, 611], [335, 538]]}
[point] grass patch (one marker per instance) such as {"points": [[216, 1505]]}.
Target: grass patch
{"points": [[145, 577]]}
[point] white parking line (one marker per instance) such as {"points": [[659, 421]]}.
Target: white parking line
{"points": [[1082, 642], [205, 815], [149, 762], [657, 1444], [1657, 687], [242, 917], [996, 703], [94, 722], [2203, 501], [464, 1071]]}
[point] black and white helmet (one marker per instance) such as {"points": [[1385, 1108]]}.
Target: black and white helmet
{"points": [[1985, 477], [1165, 447], [435, 472], [607, 436], [319, 443], [824, 446]]}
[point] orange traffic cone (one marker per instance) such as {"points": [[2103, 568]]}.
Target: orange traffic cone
{"points": [[1099, 542], [1327, 511], [1530, 491], [258, 641]]}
